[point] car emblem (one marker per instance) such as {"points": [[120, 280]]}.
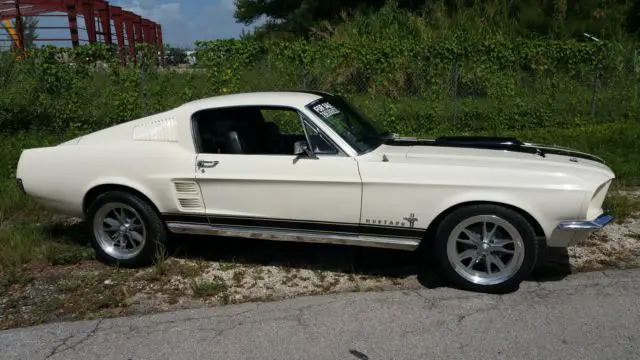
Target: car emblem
{"points": [[411, 219]]}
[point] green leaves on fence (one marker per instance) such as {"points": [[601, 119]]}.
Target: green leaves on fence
{"points": [[385, 57]]}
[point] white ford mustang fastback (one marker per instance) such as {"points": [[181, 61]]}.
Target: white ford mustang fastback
{"points": [[308, 167]]}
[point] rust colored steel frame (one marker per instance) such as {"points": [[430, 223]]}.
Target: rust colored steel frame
{"points": [[137, 29]]}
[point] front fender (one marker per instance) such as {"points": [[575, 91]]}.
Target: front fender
{"points": [[546, 210]]}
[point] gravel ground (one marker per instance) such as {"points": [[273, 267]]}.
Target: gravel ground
{"points": [[617, 245], [204, 273]]}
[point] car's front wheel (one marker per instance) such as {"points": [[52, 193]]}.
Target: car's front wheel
{"points": [[486, 248], [126, 230]]}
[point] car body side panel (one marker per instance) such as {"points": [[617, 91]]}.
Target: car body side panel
{"points": [[396, 188], [59, 177], [327, 189]]}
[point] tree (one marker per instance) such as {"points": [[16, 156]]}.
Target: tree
{"points": [[175, 56], [299, 16], [29, 30], [532, 18]]}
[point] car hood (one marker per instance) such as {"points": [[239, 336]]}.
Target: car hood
{"points": [[497, 153]]}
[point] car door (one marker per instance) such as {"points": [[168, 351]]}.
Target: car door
{"points": [[319, 189]]}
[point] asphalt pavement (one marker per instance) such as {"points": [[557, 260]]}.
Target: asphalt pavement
{"points": [[584, 316]]}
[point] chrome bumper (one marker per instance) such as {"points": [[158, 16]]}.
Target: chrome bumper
{"points": [[597, 224], [570, 232]]}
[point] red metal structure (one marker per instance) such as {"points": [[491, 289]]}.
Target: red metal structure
{"points": [[102, 21]]}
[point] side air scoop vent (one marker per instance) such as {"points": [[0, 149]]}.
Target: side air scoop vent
{"points": [[188, 195], [183, 187]]}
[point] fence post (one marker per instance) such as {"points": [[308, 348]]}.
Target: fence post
{"points": [[143, 86], [596, 89], [303, 73], [636, 70], [454, 90]]}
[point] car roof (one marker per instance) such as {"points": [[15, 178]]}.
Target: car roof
{"points": [[263, 98]]}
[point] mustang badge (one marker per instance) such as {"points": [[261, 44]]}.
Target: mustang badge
{"points": [[411, 219]]}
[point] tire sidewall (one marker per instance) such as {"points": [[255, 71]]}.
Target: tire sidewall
{"points": [[518, 221], [155, 232]]}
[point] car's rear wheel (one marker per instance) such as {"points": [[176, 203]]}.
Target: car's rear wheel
{"points": [[486, 248], [126, 230]]}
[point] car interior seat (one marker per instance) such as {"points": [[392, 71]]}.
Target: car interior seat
{"points": [[235, 144], [271, 136]]}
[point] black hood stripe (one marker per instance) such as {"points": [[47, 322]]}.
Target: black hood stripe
{"points": [[492, 143]]}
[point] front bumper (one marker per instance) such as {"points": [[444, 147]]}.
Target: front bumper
{"points": [[597, 224], [572, 231]]}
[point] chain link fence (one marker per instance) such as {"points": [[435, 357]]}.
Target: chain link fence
{"points": [[465, 97]]}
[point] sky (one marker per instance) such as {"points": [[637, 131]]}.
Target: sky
{"points": [[183, 21], [186, 21]]}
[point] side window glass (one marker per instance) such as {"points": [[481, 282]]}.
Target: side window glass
{"points": [[318, 142], [253, 130], [281, 131], [286, 120]]}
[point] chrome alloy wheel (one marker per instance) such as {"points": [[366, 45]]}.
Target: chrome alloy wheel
{"points": [[119, 230], [485, 249]]}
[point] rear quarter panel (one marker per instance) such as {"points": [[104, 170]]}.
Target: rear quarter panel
{"points": [[59, 177]]}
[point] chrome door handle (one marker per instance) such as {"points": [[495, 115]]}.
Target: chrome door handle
{"points": [[207, 164]]}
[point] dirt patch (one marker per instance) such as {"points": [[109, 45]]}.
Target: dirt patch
{"points": [[617, 246], [209, 272]]}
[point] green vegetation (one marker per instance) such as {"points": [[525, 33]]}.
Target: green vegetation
{"points": [[207, 288], [623, 206], [527, 18]]}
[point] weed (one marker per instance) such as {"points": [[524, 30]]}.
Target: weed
{"points": [[188, 271], [238, 276], [69, 285], [22, 244], [622, 205], [225, 298], [66, 254], [160, 265], [321, 276], [208, 288], [227, 266]]}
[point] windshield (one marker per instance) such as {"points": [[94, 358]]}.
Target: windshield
{"points": [[362, 134]]}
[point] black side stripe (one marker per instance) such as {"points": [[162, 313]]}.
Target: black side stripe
{"points": [[343, 228], [186, 218]]}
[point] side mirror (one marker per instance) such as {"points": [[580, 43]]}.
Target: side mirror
{"points": [[299, 147], [301, 150]]}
